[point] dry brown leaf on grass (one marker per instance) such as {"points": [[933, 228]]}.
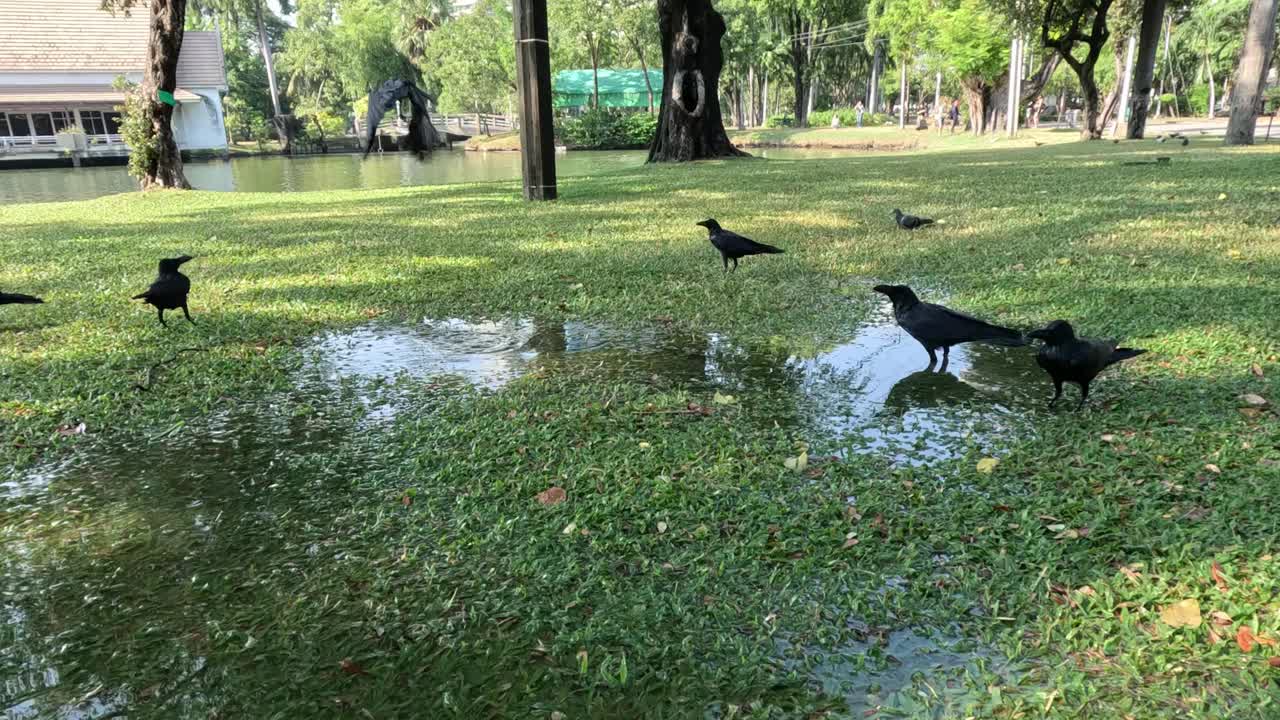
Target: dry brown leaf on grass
{"points": [[351, 667], [1184, 613], [553, 495], [1219, 579]]}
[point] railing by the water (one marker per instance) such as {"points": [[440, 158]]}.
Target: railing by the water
{"points": [[465, 124]]}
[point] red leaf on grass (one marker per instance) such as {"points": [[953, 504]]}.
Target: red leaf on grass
{"points": [[1218, 578], [1245, 638], [1274, 662]]}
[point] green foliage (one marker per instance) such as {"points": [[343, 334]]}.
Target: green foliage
{"points": [[135, 127], [848, 118], [607, 129], [974, 39], [780, 121], [1198, 99], [472, 58]]}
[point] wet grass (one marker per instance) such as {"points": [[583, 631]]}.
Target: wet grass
{"points": [[248, 539]]}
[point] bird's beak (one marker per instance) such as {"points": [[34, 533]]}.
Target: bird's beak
{"points": [[701, 223], [1041, 334], [882, 289], [184, 259]]}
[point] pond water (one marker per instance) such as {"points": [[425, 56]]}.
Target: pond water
{"points": [[331, 172]]}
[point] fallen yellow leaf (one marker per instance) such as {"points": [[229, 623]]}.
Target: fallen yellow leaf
{"points": [[797, 463], [987, 465], [1184, 613]]}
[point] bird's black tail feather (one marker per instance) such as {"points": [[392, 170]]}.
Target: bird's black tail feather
{"points": [[1120, 354], [770, 250], [139, 296], [19, 299], [925, 221], [1007, 337]]}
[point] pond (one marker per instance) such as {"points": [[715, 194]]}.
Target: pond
{"points": [[332, 172]]}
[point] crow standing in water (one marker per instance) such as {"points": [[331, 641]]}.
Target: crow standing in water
{"points": [[733, 246], [169, 291], [1076, 360], [910, 222], [938, 327], [16, 299]]}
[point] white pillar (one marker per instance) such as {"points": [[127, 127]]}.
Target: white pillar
{"points": [[1011, 107], [902, 95], [1124, 87], [937, 100]]}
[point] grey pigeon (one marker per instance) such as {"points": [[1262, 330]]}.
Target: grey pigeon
{"points": [[935, 326], [169, 291], [910, 222], [733, 246], [1068, 358]]}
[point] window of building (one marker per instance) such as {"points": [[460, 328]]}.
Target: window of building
{"points": [[112, 121], [92, 122], [19, 124], [43, 123], [4, 124], [62, 120]]}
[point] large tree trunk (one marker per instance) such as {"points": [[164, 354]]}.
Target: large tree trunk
{"points": [[1213, 88], [1251, 72], [1144, 72], [978, 97], [690, 125], [168, 18], [1110, 106]]}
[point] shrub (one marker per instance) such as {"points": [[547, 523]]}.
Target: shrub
{"points": [[639, 128], [780, 121], [135, 127], [1198, 99], [607, 129]]}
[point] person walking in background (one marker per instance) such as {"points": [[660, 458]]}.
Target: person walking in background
{"points": [[954, 115], [857, 109]]}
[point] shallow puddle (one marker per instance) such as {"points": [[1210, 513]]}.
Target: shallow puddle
{"points": [[901, 673], [872, 394], [113, 552]]}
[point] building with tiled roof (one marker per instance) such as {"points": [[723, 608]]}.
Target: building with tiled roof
{"points": [[58, 61]]}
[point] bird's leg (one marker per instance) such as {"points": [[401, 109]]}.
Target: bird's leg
{"points": [[725, 260], [161, 311], [933, 359], [946, 358], [735, 265], [1084, 395], [187, 314], [1057, 392]]}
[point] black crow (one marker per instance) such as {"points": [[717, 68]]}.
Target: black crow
{"points": [[1078, 360], [16, 299], [169, 291], [939, 327], [733, 246], [910, 222], [1185, 142]]}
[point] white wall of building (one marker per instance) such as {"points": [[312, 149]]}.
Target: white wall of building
{"points": [[199, 125]]}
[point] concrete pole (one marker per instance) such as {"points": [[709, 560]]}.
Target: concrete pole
{"points": [[1124, 87]]}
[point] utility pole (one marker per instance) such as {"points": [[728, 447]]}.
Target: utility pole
{"points": [[533, 75], [1124, 87]]}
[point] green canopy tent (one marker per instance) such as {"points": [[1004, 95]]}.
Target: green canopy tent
{"points": [[618, 88]]}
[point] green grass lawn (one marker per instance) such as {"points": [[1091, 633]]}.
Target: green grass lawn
{"points": [[329, 560]]}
